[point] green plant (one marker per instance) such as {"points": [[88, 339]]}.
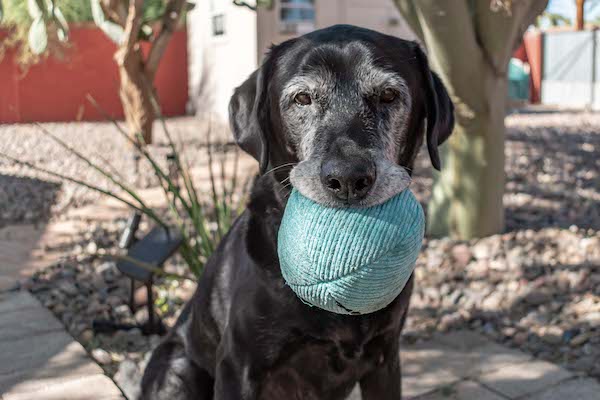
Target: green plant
{"points": [[37, 25], [553, 19], [268, 4], [152, 11], [191, 214], [42, 13]]}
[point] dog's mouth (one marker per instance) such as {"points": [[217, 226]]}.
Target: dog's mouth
{"points": [[389, 179]]}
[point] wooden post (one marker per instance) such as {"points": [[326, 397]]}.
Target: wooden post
{"points": [[579, 25]]}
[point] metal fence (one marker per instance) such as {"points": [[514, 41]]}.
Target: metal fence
{"points": [[571, 69]]}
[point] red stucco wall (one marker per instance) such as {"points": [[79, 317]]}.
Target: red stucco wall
{"points": [[55, 90]]}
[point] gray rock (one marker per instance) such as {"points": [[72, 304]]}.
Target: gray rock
{"points": [[141, 315], [122, 311], [129, 378], [520, 338], [537, 297], [552, 335], [68, 288], [462, 255], [581, 338], [101, 356], [114, 301], [592, 318], [91, 248]]}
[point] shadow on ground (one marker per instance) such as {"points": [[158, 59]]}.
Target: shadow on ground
{"points": [[552, 171], [25, 200]]}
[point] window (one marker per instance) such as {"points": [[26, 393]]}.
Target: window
{"points": [[218, 24], [297, 16], [217, 17]]}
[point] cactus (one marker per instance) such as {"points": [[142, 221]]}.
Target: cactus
{"points": [[61, 23], [41, 12], [38, 36], [153, 11], [113, 31]]}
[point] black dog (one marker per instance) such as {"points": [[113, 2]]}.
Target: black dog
{"points": [[347, 108]]}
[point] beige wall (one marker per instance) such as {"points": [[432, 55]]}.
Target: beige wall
{"points": [[380, 15]]}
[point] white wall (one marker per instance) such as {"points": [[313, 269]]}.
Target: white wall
{"points": [[218, 64], [379, 15]]}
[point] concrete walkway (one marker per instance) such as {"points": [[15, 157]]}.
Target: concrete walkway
{"points": [[39, 360], [464, 365]]}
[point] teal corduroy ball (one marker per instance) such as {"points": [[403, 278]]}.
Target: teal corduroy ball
{"points": [[350, 260]]}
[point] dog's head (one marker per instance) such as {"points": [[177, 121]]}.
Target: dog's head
{"points": [[349, 107]]}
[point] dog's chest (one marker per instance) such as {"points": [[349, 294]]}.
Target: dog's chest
{"points": [[318, 369]]}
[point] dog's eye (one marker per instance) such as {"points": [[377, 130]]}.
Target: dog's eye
{"points": [[303, 99], [388, 95]]}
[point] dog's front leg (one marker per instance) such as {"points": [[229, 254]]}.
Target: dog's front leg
{"points": [[384, 382], [232, 382], [235, 374]]}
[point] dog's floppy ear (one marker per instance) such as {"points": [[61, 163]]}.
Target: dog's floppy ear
{"points": [[249, 114], [440, 110]]}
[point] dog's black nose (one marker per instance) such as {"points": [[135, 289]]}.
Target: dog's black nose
{"points": [[348, 180]]}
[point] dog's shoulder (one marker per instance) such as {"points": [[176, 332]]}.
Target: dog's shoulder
{"points": [[264, 213], [266, 197]]}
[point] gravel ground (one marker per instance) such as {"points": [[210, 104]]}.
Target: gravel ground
{"points": [[28, 196], [535, 287]]}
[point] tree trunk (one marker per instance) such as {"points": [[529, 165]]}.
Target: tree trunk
{"points": [[136, 92], [467, 195]]}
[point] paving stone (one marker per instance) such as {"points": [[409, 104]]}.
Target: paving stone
{"points": [[518, 380], [477, 354], [59, 369], [32, 352], [465, 390], [22, 252], [97, 387], [493, 357], [430, 365], [574, 389], [7, 283], [21, 232], [17, 301], [462, 340], [40, 360], [22, 323], [451, 357]]}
